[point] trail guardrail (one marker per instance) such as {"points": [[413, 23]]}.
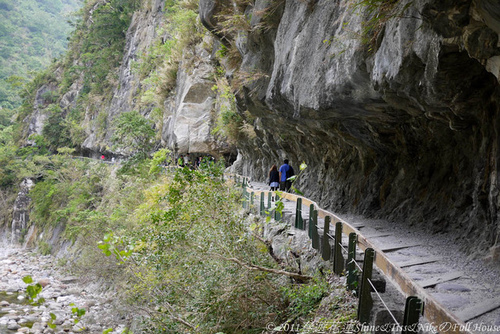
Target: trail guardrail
{"points": [[418, 301]]}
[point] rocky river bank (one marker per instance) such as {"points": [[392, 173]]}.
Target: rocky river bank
{"points": [[65, 298]]}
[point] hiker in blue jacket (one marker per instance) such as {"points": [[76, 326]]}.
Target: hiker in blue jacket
{"points": [[286, 171]]}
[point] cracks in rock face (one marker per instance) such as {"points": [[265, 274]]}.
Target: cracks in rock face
{"points": [[297, 260], [417, 149], [291, 255]]}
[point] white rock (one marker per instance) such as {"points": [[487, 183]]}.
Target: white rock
{"points": [[12, 325]]}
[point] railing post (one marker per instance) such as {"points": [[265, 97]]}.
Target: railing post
{"points": [[262, 207], [326, 249], [277, 215], [298, 213], [352, 277], [413, 309], [315, 235], [269, 201], [310, 225], [338, 259], [365, 299], [244, 198], [301, 220]]}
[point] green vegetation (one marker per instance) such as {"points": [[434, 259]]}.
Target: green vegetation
{"points": [[7, 157], [159, 64], [230, 124], [379, 12], [160, 158], [134, 134], [229, 121], [175, 245], [33, 290], [33, 33], [304, 298]]}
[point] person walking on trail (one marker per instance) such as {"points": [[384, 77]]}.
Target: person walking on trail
{"points": [[274, 178], [285, 171]]}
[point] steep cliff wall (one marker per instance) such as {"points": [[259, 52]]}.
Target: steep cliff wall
{"points": [[393, 105], [166, 73], [183, 109], [396, 115]]}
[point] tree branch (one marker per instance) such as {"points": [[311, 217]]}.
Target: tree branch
{"points": [[268, 270], [269, 247]]}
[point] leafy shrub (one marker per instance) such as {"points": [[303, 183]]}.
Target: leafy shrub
{"points": [[187, 228], [160, 157], [44, 248], [304, 298], [50, 96], [134, 133], [55, 130]]}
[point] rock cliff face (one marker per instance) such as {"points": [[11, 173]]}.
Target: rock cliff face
{"points": [[140, 36], [187, 110], [400, 122], [394, 108], [20, 219]]}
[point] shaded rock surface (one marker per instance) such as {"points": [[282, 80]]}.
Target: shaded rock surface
{"points": [[404, 126], [476, 285], [20, 218]]}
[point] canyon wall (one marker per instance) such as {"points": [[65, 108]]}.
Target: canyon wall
{"points": [[392, 105], [396, 115]]}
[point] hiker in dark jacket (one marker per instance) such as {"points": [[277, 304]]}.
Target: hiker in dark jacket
{"points": [[274, 178]]}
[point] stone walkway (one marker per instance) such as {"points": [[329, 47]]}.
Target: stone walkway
{"points": [[470, 288]]}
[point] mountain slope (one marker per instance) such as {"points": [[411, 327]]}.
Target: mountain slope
{"points": [[32, 34], [393, 105]]}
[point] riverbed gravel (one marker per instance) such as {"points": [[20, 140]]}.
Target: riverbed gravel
{"points": [[63, 294]]}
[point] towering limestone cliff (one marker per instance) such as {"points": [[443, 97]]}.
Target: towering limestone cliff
{"points": [[392, 104]]}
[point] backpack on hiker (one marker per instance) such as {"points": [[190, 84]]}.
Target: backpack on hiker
{"points": [[290, 172]]}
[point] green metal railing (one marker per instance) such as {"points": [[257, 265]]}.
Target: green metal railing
{"points": [[359, 278]]}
